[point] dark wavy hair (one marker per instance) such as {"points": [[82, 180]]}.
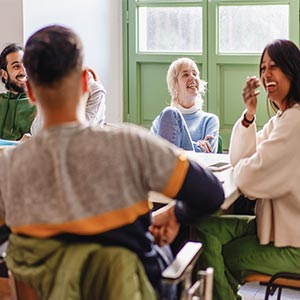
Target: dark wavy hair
{"points": [[11, 48], [286, 55], [51, 54]]}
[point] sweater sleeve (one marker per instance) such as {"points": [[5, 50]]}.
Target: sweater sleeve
{"points": [[242, 141], [37, 124], [213, 126], [262, 171], [95, 106], [201, 194], [167, 170]]}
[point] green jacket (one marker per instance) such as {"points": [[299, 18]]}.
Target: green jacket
{"points": [[77, 271], [16, 115]]}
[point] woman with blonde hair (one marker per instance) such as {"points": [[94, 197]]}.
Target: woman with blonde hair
{"points": [[184, 123]]}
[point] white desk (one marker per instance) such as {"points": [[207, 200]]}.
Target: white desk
{"points": [[226, 177]]}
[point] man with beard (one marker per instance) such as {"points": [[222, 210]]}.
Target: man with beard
{"points": [[16, 113]]}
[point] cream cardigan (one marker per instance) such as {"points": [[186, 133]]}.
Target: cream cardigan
{"points": [[267, 166]]}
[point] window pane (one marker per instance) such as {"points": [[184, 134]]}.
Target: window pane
{"points": [[250, 28], [170, 29]]}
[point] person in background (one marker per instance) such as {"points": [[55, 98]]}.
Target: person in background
{"points": [[16, 113], [95, 104], [266, 168], [94, 181], [184, 123]]}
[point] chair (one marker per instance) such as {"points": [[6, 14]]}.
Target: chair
{"points": [[179, 271], [220, 144], [10, 289], [202, 289], [277, 281], [20, 290], [5, 293]]}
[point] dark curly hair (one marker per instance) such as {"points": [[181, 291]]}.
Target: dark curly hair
{"points": [[52, 53]]}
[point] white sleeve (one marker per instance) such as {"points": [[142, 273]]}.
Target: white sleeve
{"points": [[266, 173], [95, 107], [37, 124], [242, 141]]}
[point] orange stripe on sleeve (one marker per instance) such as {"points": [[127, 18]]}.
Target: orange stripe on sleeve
{"points": [[177, 177], [88, 226]]}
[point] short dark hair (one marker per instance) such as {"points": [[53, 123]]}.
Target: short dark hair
{"points": [[52, 53], [286, 55], [11, 48]]}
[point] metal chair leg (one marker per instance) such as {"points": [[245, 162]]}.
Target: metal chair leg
{"points": [[279, 293]]}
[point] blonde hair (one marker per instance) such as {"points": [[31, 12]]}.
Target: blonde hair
{"points": [[172, 76]]}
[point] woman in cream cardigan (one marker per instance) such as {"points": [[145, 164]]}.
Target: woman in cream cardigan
{"points": [[266, 167]]}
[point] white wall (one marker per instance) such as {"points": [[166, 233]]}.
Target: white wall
{"points": [[98, 23], [11, 24]]}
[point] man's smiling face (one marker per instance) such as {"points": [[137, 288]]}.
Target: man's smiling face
{"points": [[15, 75]]}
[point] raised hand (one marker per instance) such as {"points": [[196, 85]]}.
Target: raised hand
{"points": [[249, 96]]}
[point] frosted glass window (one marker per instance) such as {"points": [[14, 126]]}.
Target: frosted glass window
{"points": [[249, 28], [170, 29]]}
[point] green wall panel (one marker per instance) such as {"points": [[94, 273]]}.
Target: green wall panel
{"points": [[154, 93], [145, 88], [232, 78], [232, 81]]}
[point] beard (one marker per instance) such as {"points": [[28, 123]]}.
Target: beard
{"points": [[12, 86]]}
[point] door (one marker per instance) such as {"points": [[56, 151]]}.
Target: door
{"points": [[224, 37]]}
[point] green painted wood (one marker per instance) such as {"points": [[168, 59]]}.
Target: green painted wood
{"points": [[145, 88], [227, 72]]}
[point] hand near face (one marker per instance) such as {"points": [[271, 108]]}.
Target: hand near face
{"points": [[249, 96], [164, 227]]}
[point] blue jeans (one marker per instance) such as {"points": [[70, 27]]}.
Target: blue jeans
{"points": [[232, 248], [158, 260], [172, 127]]}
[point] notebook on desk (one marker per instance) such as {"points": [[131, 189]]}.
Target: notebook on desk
{"points": [[219, 166]]}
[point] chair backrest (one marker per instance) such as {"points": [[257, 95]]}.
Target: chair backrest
{"points": [[11, 289], [133, 287], [278, 281], [5, 293], [202, 289], [87, 270], [20, 290], [220, 144]]}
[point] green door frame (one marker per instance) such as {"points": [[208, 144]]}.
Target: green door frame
{"points": [[215, 68]]}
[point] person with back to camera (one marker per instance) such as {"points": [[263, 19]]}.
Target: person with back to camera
{"points": [[30, 117], [94, 181], [266, 167], [184, 123]]}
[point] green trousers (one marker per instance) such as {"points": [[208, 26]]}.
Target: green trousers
{"points": [[232, 248]]}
